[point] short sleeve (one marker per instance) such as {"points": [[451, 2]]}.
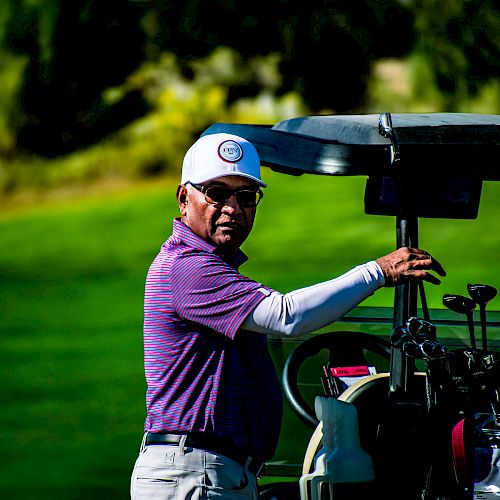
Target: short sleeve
{"points": [[208, 291]]}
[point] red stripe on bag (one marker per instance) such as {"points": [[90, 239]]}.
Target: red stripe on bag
{"points": [[459, 453]]}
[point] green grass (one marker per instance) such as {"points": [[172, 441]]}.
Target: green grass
{"points": [[71, 288]]}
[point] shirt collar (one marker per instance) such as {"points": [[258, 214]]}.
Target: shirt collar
{"points": [[184, 233]]}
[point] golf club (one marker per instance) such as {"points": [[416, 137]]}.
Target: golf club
{"points": [[462, 305], [482, 294], [421, 329]]}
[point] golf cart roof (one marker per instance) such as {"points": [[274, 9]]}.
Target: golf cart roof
{"points": [[440, 144]]}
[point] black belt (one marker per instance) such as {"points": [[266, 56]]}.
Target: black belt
{"points": [[208, 443]]}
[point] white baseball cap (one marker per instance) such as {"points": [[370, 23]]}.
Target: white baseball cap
{"points": [[218, 155]]}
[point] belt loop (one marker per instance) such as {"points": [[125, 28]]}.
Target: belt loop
{"points": [[182, 443], [143, 442]]}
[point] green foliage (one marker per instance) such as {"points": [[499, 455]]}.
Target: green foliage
{"points": [[75, 50], [460, 42], [409, 86], [12, 69], [486, 100], [180, 109]]}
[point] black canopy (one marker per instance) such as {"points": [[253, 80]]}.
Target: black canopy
{"points": [[378, 145]]}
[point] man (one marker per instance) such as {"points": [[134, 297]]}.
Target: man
{"points": [[214, 399]]}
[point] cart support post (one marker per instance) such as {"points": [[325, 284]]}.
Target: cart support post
{"points": [[405, 306]]}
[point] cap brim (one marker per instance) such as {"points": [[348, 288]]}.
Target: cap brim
{"points": [[235, 174]]}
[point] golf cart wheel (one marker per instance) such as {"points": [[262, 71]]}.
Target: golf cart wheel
{"points": [[345, 349]]}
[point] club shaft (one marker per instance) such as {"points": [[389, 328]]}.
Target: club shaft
{"points": [[470, 322], [484, 338]]}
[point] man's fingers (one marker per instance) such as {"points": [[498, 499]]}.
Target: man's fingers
{"points": [[427, 261], [423, 276], [409, 264], [436, 266], [432, 279]]}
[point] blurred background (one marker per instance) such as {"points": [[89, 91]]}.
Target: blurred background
{"points": [[98, 103]]}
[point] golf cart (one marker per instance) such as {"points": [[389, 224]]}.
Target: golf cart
{"points": [[418, 416]]}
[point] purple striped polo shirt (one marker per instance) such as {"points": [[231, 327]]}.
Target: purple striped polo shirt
{"points": [[204, 373]]}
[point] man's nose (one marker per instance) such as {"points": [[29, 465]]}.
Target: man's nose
{"points": [[232, 204]]}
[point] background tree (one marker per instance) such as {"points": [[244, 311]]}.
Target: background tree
{"points": [[327, 47], [76, 50], [460, 41], [334, 47]]}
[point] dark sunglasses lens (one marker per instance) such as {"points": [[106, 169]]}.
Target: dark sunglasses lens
{"points": [[217, 194], [247, 198]]}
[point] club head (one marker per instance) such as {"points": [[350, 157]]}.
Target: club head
{"points": [[412, 350], [399, 335], [433, 350], [459, 303], [421, 329], [482, 294]]}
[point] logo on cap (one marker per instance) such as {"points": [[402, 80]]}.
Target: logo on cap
{"points": [[230, 151]]}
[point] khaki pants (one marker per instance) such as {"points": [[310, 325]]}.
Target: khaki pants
{"points": [[177, 472]]}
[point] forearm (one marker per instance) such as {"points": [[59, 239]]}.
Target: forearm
{"points": [[311, 308]]}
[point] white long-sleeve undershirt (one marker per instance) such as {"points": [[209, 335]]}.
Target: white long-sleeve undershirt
{"points": [[308, 309]]}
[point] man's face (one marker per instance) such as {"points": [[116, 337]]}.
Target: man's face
{"points": [[226, 224]]}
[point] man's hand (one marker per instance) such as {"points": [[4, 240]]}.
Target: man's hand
{"points": [[408, 264]]}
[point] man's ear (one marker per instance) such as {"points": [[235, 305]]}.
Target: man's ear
{"points": [[182, 194]]}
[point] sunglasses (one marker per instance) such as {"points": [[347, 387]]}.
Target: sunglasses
{"points": [[218, 195]]}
